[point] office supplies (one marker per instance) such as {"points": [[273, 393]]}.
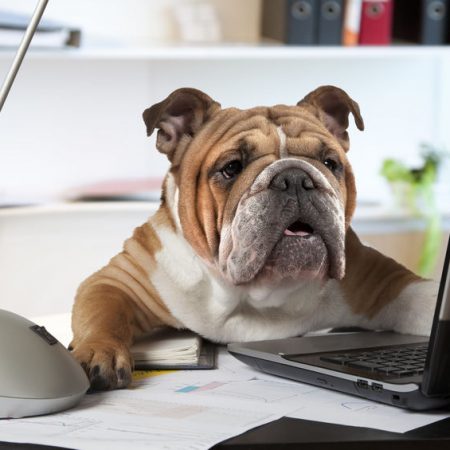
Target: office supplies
{"points": [[352, 22], [168, 348], [195, 409], [447, 28], [49, 34], [290, 21], [447, 32], [37, 374], [330, 22], [402, 370], [421, 21], [135, 189], [171, 410], [376, 22], [434, 20]]}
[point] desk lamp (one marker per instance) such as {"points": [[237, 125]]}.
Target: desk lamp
{"points": [[22, 50]]}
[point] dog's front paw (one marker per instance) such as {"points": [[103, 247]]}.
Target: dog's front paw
{"points": [[107, 362]]}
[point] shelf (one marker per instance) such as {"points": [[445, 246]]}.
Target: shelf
{"points": [[232, 52], [368, 219]]}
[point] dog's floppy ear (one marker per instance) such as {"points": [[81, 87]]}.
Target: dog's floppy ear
{"points": [[182, 113], [332, 106]]}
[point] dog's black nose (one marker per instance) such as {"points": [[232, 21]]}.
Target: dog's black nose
{"points": [[292, 180]]}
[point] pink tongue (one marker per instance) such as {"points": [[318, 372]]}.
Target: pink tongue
{"points": [[295, 233]]}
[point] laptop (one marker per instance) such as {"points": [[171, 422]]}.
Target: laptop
{"points": [[407, 371]]}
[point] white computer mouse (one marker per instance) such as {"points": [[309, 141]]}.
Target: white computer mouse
{"points": [[37, 374]]}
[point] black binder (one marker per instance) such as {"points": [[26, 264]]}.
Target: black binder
{"points": [[290, 21], [331, 14], [421, 21], [447, 38]]}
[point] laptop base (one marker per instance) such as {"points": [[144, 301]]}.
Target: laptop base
{"points": [[366, 388], [295, 358]]}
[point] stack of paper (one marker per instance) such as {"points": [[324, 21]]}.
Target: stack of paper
{"points": [[167, 347]]}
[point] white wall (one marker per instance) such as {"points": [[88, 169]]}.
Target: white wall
{"points": [[47, 251]]}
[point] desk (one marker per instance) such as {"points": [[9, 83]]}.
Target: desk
{"points": [[299, 434], [286, 432]]}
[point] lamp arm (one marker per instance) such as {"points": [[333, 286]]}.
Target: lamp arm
{"points": [[22, 50]]}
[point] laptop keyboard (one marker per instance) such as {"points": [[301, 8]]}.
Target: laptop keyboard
{"points": [[401, 361]]}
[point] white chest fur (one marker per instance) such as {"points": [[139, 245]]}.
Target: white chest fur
{"points": [[224, 313]]}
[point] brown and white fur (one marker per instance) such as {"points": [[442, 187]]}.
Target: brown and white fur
{"points": [[252, 239]]}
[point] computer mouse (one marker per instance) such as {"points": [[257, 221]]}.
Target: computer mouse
{"points": [[37, 374]]}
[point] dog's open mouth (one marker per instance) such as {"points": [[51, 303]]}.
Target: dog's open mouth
{"points": [[299, 228]]}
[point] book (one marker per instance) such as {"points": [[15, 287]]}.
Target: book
{"points": [[376, 22], [292, 22], [330, 22], [49, 34], [352, 22], [135, 189], [169, 348]]}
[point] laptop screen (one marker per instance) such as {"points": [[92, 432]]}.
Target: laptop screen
{"points": [[436, 377]]}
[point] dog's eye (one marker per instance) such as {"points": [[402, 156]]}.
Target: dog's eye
{"points": [[331, 164], [232, 169]]}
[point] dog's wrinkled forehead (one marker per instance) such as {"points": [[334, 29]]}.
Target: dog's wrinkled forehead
{"points": [[283, 131]]}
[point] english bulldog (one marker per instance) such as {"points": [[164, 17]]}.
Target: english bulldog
{"points": [[252, 239]]}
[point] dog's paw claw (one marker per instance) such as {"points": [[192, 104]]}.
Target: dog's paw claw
{"points": [[123, 377]]}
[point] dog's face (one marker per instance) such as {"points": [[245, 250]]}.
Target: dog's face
{"points": [[264, 194]]}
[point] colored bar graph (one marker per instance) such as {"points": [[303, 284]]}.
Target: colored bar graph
{"points": [[187, 389], [206, 387]]}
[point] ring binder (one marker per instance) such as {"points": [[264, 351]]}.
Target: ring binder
{"points": [[291, 21], [330, 22]]}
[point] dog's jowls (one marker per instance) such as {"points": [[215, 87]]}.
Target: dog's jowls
{"points": [[252, 239]]}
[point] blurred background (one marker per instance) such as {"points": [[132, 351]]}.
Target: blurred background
{"points": [[71, 130]]}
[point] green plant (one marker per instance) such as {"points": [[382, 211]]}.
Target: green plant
{"points": [[420, 198]]}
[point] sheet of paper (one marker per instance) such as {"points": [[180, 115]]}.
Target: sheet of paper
{"points": [[161, 410], [114, 421], [334, 407], [322, 405]]}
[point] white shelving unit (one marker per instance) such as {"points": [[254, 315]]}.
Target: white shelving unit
{"points": [[81, 122], [232, 52]]}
